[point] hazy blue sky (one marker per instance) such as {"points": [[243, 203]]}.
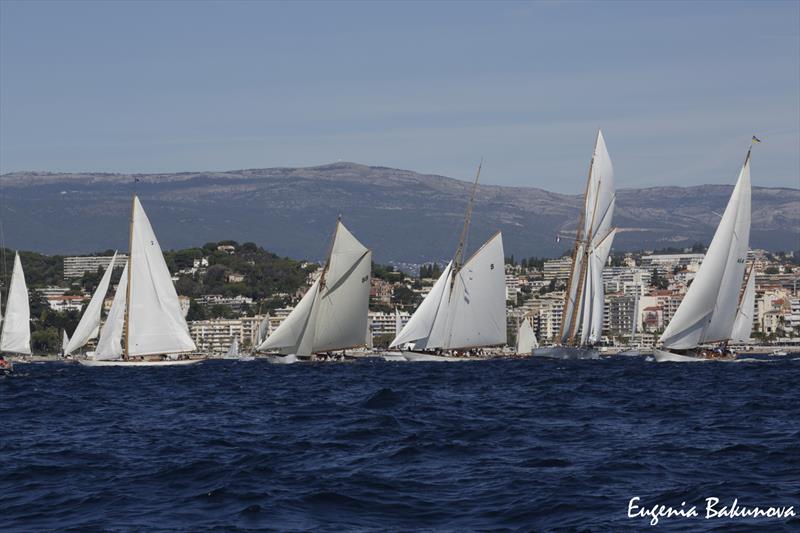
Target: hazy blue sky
{"points": [[678, 88]]}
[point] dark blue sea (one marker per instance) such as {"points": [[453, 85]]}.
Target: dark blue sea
{"points": [[502, 445]]}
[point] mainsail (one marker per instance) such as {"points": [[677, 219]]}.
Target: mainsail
{"points": [[465, 308], [333, 314], [708, 311], [526, 338], [155, 323], [87, 328], [584, 297], [16, 333]]}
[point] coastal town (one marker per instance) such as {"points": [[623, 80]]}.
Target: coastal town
{"points": [[642, 292]]}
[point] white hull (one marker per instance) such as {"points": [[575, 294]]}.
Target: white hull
{"points": [[566, 352], [90, 362], [663, 356]]}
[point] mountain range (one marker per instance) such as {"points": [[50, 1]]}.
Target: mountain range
{"points": [[402, 215]]}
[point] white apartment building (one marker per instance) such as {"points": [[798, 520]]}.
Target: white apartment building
{"points": [[77, 266]]}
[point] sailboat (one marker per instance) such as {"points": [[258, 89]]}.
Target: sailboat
{"points": [[582, 315], [233, 349], [633, 349], [708, 313], [466, 308], [145, 323], [333, 313], [526, 338], [89, 326], [64, 342], [16, 333]]}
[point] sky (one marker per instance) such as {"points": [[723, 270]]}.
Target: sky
{"points": [[677, 88]]}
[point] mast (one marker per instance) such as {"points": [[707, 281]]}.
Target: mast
{"points": [[578, 241], [128, 288], [330, 253], [457, 260]]}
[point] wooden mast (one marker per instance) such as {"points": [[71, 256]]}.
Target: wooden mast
{"points": [[126, 353], [458, 259]]}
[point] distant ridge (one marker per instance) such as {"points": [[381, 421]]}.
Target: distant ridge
{"points": [[402, 215]]}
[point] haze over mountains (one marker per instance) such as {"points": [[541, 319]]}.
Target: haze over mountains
{"points": [[402, 215]]}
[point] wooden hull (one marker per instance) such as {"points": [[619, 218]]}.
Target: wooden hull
{"points": [[137, 364]]}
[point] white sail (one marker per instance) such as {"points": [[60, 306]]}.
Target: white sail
{"points": [[419, 326], [16, 333], [743, 325], [233, 349], [64, 342], [585, 295], [344, 298], [708, 311], [398, 322], [263, 330], [598, 259], [465, 309], [90, 321], [155, 321], [333, 314], [526, 338], [109, 347]]}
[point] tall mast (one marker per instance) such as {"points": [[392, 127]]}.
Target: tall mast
{"points": [[330, 253], [458, 259], [578, 241], [126, 353]]}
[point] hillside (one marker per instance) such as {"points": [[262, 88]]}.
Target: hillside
{"points": [[402, 215]]}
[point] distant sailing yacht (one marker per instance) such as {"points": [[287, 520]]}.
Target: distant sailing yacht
{"points": [[582, 316], [333, 313], [466, 308], [526, 338], [233, 349], [145, 319], [713, 312], [16, 333]]}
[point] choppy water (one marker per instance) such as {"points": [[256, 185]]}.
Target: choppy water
{"points": [[498, 445]]}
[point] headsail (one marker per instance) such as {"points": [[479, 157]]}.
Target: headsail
{"points": [[16, 332], [583, 301], [233, 349], [155, 322], [109, 347], [64, 342], [90, 321], [526, 338], [743, 325], [333, 314], [708, 311]]}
